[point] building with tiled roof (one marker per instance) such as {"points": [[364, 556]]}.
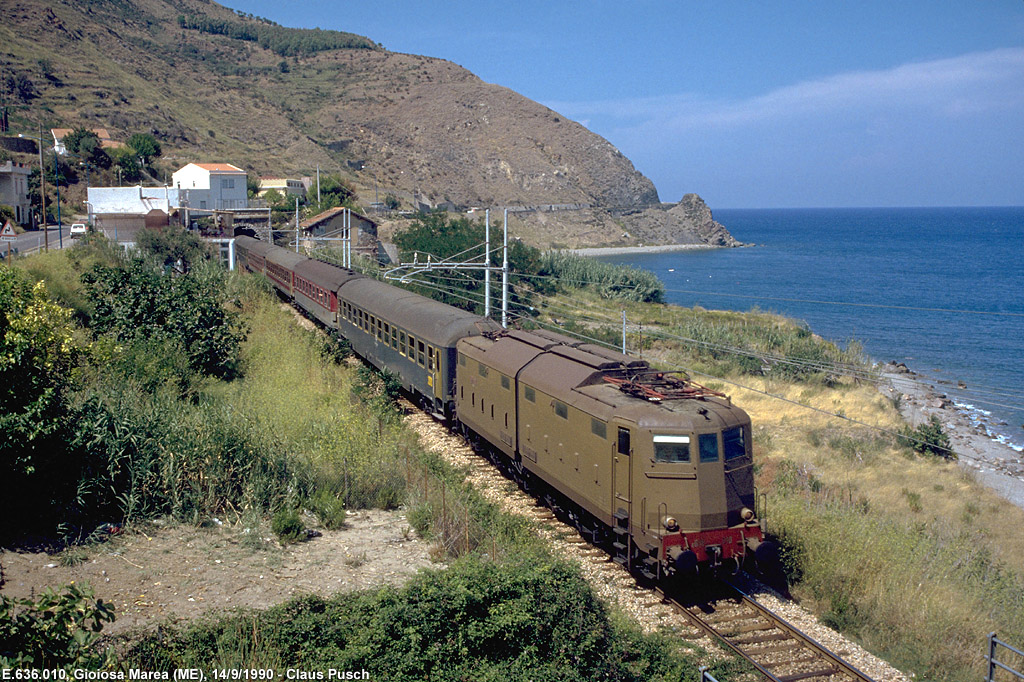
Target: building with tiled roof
{"points": [[211, 186], [106, 142], [331, 223]]}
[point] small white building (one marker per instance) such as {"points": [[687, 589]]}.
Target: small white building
{"points": [[14, 190], [285, 186], [212, 186], [121, 212], [135, 200]]}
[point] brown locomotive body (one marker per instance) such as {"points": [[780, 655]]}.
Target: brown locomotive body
{"points": [[658, 467]]}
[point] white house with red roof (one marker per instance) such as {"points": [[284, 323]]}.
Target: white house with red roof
{"points": [[211, 186], [106, 142]]}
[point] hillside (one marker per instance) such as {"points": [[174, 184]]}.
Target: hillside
{"points": [[211, 84]]}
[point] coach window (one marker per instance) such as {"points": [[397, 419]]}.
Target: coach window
{"points": [[394, 338], [422, 354], [709, 447], [401, 342]]}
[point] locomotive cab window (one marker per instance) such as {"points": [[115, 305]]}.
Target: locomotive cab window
{"points": [[598, 428], [671, 448], [733, 444], [561, 410], [462, 360], [709, 447], [529, 394]]}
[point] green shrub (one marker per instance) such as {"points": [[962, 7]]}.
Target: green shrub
{"points": [[616, 282], [59, 629], [287, 525], [930, 439], [528, 618]]}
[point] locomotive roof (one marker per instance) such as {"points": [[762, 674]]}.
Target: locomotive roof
{"points": [[576, 376], [329, 276], [434, 321]]}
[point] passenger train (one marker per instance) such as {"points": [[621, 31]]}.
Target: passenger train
{"points": [[653, 467]]}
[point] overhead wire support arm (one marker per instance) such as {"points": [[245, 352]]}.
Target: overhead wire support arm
{"points": [[405, 272]]}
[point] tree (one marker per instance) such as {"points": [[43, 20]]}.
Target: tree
{"points": [[333, 192], [38, 350], [252, 185], [460, 239], [169, 246], [80, 141], [86, 145], [126, 161], [145, 145], [141, 304]]}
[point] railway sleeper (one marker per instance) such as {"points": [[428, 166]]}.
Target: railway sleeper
{"points": [[777, 637], [795, 661], [823, 672]]}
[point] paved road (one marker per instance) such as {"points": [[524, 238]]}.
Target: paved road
{"points": [[33, 239]]}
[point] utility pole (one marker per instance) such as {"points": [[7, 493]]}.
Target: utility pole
{"points": [[42, 190], [504, 277], [487, 263], [56, 179], [623, 332]]}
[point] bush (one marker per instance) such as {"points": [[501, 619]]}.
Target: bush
{"points": [[930, 439], [616, 282], [137, 303], [288, 526], [57, 630], [530, 618]]}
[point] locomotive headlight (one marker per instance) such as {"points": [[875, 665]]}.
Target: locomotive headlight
{"points": [[747, 514], [670, 524]]}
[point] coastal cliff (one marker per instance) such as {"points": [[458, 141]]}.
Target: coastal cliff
{"points": [[688, 222]]}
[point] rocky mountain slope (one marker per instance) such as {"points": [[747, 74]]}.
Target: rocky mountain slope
{"points": [[214, 85]]}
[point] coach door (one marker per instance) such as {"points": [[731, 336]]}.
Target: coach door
{"points": [[434, 371]]}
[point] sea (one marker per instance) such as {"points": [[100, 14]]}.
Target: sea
{"points": [[939, 289]]}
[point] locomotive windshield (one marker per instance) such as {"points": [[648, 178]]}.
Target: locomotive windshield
{"points": [[732, 442], [671, 448]]}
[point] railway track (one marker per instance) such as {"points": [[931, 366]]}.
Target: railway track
{"points": [[774, 647], [777, 649]]}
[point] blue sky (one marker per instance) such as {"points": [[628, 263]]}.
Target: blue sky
{"points": [[749, 104]]}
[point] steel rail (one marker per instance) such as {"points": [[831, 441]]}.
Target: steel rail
{"points": [[838, 666]]}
